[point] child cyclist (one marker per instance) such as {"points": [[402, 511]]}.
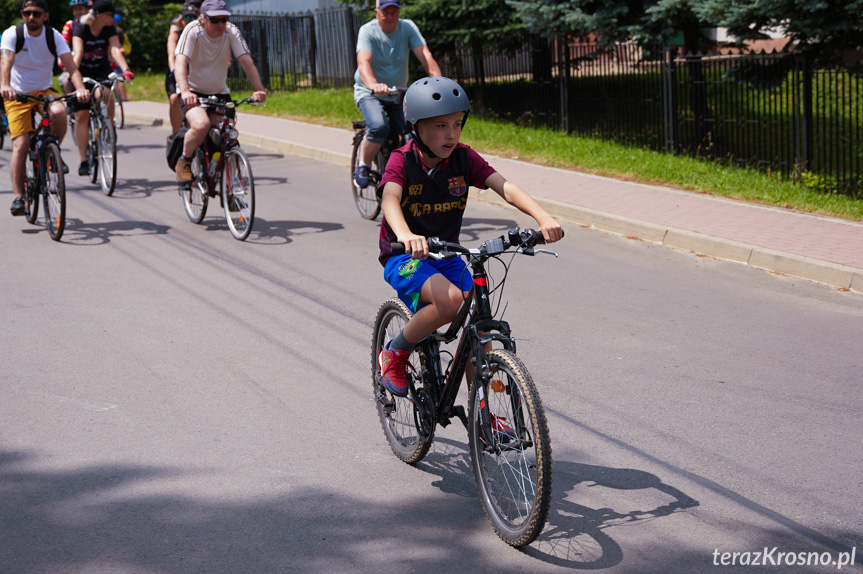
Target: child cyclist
{"points": [[424, 195]]}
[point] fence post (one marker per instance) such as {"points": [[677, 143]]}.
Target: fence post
{"points": [[802, 116], [669, 99], [563, 78]]}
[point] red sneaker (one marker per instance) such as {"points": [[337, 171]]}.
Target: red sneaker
{"points": [[394, 371]]}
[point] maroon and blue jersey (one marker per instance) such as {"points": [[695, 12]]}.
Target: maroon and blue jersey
{"points": [[432, 205]]}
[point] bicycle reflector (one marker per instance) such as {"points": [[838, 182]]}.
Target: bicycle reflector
{"points": [[46, 122], [497, 386]]}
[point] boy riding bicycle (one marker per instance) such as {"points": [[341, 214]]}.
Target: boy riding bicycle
{"points": [[425, 190]]}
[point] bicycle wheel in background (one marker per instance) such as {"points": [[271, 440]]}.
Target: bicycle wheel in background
{"points": [[107, 156], [396, 414], [513, 467], [366, 198], [4, 128], [195, 192], [119, 116], [31, 190], [93, 147], [238, 193], [55, 191]]}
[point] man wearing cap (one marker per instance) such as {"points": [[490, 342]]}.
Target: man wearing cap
{"points": [[30, 71], [188, 14], [383, 46], [202, 57]]}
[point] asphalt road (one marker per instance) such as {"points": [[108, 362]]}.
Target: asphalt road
{"points": [[176, 401]]}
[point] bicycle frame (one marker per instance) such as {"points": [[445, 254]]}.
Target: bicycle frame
{"points": [[227, 140]]}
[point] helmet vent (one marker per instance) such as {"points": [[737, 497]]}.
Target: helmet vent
{"points": [[436, 96]]}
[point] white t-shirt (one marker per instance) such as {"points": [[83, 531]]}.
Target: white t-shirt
{"points": [[33, 69], [209, 57]]}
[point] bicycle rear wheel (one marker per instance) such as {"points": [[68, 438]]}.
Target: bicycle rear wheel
{"points": [[119, 116], [107, 156], [55, 191], [31, 190], [512, 467], [366, 198], [238, 193], [397, 414], [195, 192]]}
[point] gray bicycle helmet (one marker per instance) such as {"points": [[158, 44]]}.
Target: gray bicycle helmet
{"points": [[431, 97]]}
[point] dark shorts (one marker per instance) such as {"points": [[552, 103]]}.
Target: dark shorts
{"points": [[170, 83], [221, 98], [407, 276], [74, 105]]}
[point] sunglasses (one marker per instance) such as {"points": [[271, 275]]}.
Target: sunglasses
{"points": [[32, 13], [188, 18], [218, 20]]}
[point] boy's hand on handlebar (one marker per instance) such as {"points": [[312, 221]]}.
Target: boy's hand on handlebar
{"points": [[415, 245], [551, 230]]}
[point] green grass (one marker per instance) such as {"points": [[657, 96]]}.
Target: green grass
{"points": [[542, 146]]}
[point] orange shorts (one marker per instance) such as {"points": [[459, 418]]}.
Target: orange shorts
{"points": [[19, 116]]}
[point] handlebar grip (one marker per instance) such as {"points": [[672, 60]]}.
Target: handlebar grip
{"points": [[397, 248]]}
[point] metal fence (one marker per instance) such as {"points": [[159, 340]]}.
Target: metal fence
{"points": [[771, 111]]}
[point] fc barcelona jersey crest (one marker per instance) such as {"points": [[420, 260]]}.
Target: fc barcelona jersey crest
{"points": [[457, 186]]}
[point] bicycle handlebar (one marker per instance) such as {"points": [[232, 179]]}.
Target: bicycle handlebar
{"points": [[215, 103], [44, 99], [525, 240]]}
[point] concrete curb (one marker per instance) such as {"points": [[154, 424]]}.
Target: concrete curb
{"points": [[839, 276]]}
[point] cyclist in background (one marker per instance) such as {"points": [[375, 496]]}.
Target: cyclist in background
{"points": [[79, 8], [94, 38], [425, 190], [126, 47], [202, 58], [383, 45], [30, 71], [188, 14]]}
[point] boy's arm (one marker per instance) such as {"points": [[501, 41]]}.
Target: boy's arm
{"points": [[391, 205], [517, 197]]}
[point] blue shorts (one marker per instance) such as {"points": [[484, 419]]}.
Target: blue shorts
{"points": [[407, 276]]}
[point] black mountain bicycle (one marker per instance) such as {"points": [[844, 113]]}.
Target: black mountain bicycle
{"points": [[509, 444], [43, 171], [221, 167], [366, 198]]}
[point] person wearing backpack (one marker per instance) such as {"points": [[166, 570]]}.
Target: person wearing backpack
{"points": [[29, 51]]}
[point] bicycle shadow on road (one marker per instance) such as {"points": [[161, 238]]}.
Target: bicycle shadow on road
{"points": [[575, 534], [473, 230], [267, 232], [81, 233]]}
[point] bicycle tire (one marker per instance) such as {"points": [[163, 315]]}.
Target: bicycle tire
{"points": [[31, 190], [397, 416], [3, 129], [513, 473], [194, 193], [107, 156], [238, 193], [93, 148], [54, 191], [366, 198], [119, 116]]}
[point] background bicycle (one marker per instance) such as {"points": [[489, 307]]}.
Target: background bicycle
{"points": [[101, 136], [221, 167], [43, 169], [4, 124], [366, 198], [509, 443], [119, 114]]}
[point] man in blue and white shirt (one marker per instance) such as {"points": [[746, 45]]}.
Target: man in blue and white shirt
{"points": [[383, 48]]}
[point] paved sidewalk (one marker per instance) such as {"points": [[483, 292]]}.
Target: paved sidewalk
{"points": [[819, 248]]}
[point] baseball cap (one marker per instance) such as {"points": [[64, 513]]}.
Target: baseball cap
{"points": [[36, 4], [214, 8], [384, 3], [189, 10], [103, 6]]}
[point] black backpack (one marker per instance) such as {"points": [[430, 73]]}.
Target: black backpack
{"points": [[49, 38], [174, 147]]}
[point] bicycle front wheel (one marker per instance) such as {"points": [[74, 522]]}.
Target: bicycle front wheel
{"points": [[238, 193], [107, 156], [195, 192], [55, 191], [119, 116], [397, 414], [31, 190], [93, 148], [366, 198], [512, 466]]}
